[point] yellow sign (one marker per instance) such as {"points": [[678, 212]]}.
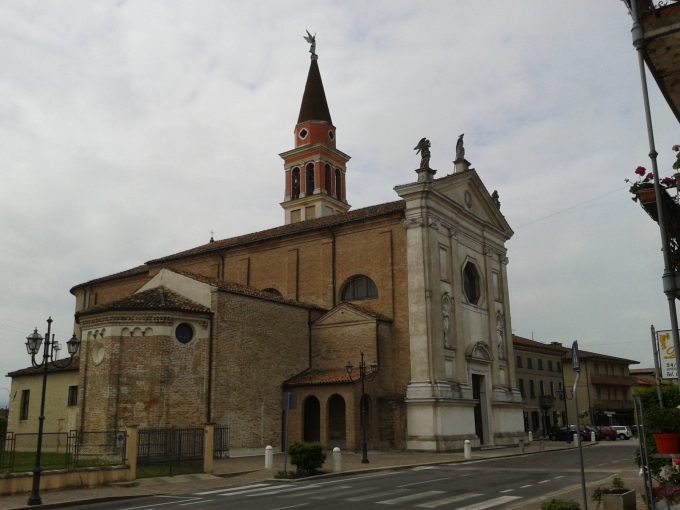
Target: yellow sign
{"points": [[668, 367]]}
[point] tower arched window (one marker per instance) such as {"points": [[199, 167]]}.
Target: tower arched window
{"points": [[338, 184], [358, 288], [295, 183], [328, 179], [309, 175]]}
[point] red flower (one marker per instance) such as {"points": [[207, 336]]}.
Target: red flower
{"points": [[666, 181], [640, 170], [649, 176], [676, 148]]}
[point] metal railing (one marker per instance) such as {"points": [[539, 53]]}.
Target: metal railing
{"points": [[169, 451], [62, 450]]}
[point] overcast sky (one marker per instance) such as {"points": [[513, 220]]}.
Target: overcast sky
{"points": [[130, 130]]}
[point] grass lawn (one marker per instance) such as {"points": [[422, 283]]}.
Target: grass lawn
{"points": [[25, 461]]}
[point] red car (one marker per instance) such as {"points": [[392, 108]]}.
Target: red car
{"points": [[607, 433]]}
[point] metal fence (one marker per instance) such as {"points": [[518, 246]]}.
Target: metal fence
{"points": [[169, 451], [221, 442], [62, 450]]}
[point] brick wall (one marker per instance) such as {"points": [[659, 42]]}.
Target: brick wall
{"points": [[258, 345]]}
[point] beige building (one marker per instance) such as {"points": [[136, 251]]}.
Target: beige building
{"points": [[220, 332], [604, 389], [61, 402], [541, 381]]}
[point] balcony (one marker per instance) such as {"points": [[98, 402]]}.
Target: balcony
{"points": [[613, 405], [612, 380], [546, 401]]}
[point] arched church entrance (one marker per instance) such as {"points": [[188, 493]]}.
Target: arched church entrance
{"points": [[337, 426], [479, 395], [479, 360], [311, 420]]}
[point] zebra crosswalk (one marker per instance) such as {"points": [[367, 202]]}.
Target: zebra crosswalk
{"points": [[395, 496]]}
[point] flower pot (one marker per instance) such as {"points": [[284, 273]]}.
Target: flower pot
{"points": [[646, 195], [667, 443], [624, 500]]}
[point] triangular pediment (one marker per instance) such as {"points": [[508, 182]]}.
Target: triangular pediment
{"points": [[467, 191], [345, 313]]}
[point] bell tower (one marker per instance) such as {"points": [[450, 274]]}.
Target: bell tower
{"points": [[315, 168]]}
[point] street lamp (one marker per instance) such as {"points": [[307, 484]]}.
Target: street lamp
{"points": [[51, 349], [364, 375]]}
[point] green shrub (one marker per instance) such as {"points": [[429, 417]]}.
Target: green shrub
{"points": [[307, 457], [3, 432], [560, 504], [657, 420]]}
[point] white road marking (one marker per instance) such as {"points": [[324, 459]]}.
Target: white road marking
{"points": [[426, 481], [490, 503], [507, 490], [544, 481], [154, 505], [270, 489], [446, 501], [291, 506], [376, 495], [279, 490], [410, 497], [558, 476], [527, 485], [195, 502], [231, 489]]}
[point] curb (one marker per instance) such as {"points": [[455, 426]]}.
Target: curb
{"points": [[81, 502]]}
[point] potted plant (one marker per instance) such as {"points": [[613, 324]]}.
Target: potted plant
{"points": [[560, 504], [615, 496], [664, 425], [668, 489], [643, 188]]}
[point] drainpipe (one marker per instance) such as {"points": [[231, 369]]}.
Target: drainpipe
{"points": [[668, 278], [208, 398]]}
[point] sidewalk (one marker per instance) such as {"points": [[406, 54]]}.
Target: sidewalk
{"points": [[233, 472]]}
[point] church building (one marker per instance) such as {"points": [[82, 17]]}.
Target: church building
{"points": [[415, 288]]}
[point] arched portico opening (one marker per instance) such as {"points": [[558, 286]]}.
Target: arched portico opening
{"points": [[337, 423], [311, 420]]}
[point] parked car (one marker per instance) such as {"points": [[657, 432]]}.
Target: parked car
{"points": [[607, 433], [622, 432], [565, 433], [591, 428]]}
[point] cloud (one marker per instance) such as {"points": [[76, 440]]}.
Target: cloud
{"points": [[130, 130]]}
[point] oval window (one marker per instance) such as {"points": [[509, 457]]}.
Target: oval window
{"points": [[184, 333]]}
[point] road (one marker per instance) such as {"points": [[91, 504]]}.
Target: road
{"points": [[511, 483]]}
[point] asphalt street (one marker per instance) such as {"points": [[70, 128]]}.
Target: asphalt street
{"points": [[511, 483]]}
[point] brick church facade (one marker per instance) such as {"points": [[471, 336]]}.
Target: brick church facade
{"points": [[218, 333]]}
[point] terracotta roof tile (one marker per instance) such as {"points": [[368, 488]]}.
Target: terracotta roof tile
{"points": [[367, 311], [357, 215], [51, 367], [159, 298], [245, 290], [143, 269], [319, 377], [292, 228]]}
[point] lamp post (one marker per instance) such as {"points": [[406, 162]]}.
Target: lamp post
{"points": [[364, 375], [51, 349]]}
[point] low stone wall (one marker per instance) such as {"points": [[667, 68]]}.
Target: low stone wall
{"points": [[16, 483]]}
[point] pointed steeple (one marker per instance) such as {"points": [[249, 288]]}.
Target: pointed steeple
{"points": [[315, 168], [314, 105]]}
